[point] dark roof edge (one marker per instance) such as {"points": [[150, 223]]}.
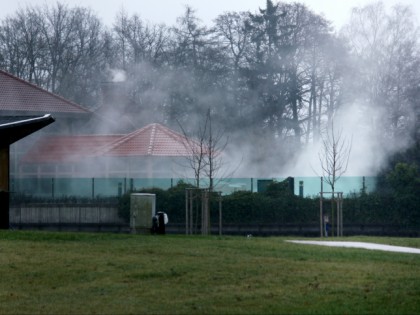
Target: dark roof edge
{"points": [[46, 117]]}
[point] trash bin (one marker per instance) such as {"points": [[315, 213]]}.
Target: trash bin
{"points": [[161, 219]]}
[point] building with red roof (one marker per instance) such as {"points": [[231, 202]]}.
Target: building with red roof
{"points": [[153, 151], [19, 97], [70, 147]]}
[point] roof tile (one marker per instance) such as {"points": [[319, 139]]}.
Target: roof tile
{"points": [[151, 140], [18, 95]]}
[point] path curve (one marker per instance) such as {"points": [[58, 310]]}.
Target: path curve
{"points": [[364, 245]]}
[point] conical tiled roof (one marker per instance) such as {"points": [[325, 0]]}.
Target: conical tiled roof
{"points": [[151, 140]]}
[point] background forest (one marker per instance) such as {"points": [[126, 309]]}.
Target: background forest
{"points": [[273, 80]]}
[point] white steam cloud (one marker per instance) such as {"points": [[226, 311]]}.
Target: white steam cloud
{"points": [[361, 125], [117, 75]]}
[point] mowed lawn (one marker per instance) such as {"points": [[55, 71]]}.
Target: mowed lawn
{"points": [[80, 273]]}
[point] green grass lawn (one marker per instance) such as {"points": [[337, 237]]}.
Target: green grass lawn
{"points": [[80, 273]]}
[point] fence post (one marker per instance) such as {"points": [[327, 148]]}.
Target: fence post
{"points": [[186, 211], [220, 213], [191, 212], [52, 188], [320, 208]]}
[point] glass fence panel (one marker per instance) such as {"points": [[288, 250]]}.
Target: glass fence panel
{"points": [[39, 187], [145, 183], [111, 187], [65, 187], [311, 186]]}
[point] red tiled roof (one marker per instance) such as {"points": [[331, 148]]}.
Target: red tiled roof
{"points": [[17, 95], [154, 139], [151, 140], [66, 148]]}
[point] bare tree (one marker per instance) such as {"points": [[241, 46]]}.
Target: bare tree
{"points": [[205, 159], [215, 143], [206, 149], [334, 159], [138, 41], [56, 47], [21, 45], [234, 36], [385, 46], [196, 146]]}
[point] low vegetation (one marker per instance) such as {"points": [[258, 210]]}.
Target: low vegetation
{"points": [[79, 273], [395, 202]]}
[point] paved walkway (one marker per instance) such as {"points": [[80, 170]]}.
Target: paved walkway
{"points": [[388, 248]]}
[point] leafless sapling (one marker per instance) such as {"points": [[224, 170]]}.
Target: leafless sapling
{"points": [[334, 159]]}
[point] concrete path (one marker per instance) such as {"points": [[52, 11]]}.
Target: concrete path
{"points": [[388, 248]]}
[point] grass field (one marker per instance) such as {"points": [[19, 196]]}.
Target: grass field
{"points": [[79, 273]]}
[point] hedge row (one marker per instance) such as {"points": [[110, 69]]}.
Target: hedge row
{"points": [[278, 205]]}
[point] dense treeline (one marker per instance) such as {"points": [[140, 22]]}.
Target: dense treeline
{"points": [[274, 78]]}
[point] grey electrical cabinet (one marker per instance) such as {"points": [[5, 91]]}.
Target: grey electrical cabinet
{"points": [[142, 210]]}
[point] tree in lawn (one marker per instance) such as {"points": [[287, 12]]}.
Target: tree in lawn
{"points": [[334, 160], [205, 159]]}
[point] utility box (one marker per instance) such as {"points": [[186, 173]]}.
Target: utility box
{"points": [[142, 210]]}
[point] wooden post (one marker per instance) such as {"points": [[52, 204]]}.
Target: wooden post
{"points": [[220, 213], [186, 211], [321, 217], [204, 213], [4, 186], [52, 188], [341, 213], [191, 212], [338, 214]]}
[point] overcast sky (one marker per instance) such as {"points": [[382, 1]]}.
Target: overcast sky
{"points": [[166, 11]]}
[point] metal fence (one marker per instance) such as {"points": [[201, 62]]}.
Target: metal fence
{"points": [[64, 214]]}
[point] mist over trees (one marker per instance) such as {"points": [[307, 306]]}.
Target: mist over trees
{"points": [[274, 79]]}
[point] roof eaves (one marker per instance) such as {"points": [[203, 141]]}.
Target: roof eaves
{"points": [[24, 121]]}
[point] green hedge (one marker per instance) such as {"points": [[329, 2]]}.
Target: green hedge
{"points": [[247, 207], [277, 205], [396, 202]]}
